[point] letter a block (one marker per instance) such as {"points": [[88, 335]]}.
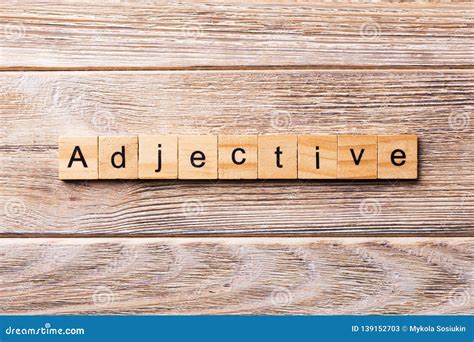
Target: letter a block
{"points": [[158, 157], [197, 157], [397, 156], [118, 157], [357, 157], [237, 156], [78, 158], [277, 156]]}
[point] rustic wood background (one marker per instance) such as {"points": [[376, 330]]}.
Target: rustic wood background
{"points": [[246, 247]]}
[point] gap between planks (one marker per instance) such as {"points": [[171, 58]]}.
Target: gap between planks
{"points": [[383, 68]]}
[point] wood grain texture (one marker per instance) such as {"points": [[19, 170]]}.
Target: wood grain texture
{"points": [[37, 107], [176, 34], [237, 276]]}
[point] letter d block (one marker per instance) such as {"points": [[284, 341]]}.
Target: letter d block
{"points": [[118, 157], [197, 157], [78, 158], [397, 156]]}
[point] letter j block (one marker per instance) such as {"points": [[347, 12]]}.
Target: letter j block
{"points": [[78, 158]]}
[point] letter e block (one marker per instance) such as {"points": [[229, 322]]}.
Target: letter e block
{"points": [[277, 156], [397, 156], [118, 157], [357, 157], [237, 156], [158, 157], [197, 157], [78, 158]]}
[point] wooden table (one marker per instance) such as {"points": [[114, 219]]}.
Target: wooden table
{"points": [[246, 247]]}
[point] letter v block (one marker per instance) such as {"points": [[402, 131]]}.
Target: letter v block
{"points": [[118, 157], [357, 157], [78, 158]]}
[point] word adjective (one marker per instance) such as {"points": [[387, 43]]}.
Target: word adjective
{"points": [[239, 157]]}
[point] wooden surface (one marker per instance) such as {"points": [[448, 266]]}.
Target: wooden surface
{"points": [[37, 107], [172, 34], [236, 67], [237, 276]]}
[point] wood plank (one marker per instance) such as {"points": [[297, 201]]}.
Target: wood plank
{"points": [[237, 276], [158, 34], [37, 107]]}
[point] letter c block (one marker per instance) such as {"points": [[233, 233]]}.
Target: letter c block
{"points": [[237, 156]]}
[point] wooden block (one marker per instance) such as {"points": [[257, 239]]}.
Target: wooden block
{"points": [[277, 156], [357, 157], [78, 157], [118, 157], [158, 157], [397, 156], [197, 157], [237, 156], [317, 156]]}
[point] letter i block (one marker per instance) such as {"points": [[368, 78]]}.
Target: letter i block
{"points": [[277, 156], [78, 158], [317, 156], [397, 156], [197, 157], [118, 157], [357, 157], [158, 157], [237, 156]]}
